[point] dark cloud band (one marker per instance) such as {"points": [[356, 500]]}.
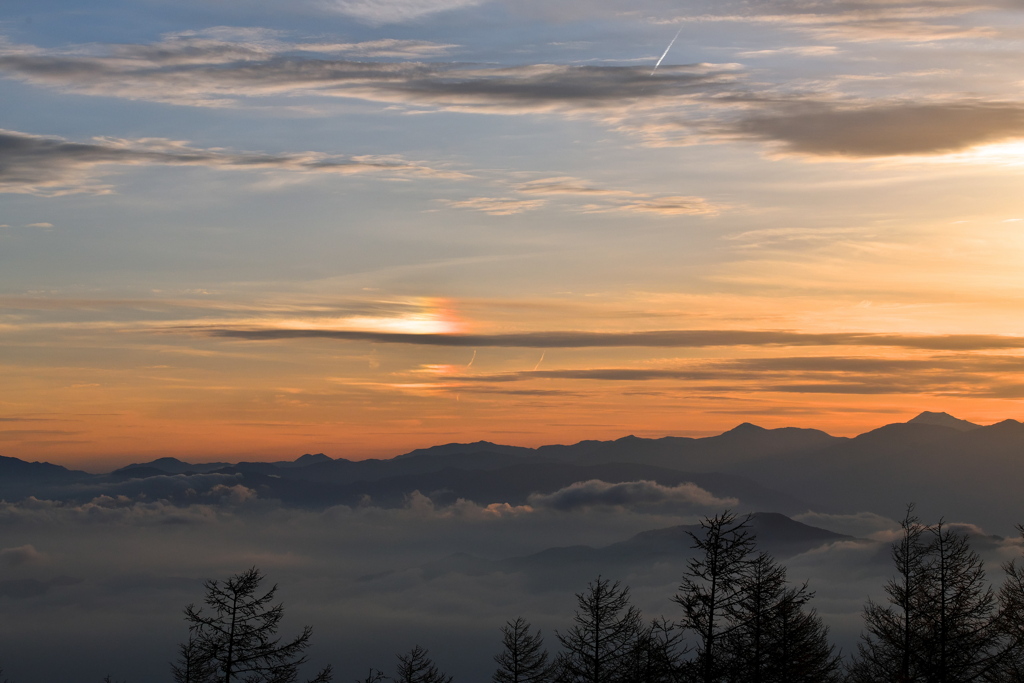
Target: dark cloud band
{"points": [[887, 130], [654, 339], [706, 102]]}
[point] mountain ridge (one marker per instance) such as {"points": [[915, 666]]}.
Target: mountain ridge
{"points": [[934, 460]]}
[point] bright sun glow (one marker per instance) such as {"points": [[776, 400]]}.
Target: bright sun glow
{"points": [[428, 316], [999, 154]]}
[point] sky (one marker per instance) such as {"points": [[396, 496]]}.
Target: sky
{"points": [[253, 229]]}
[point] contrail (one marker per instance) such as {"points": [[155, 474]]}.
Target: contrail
{"points": [[662, 57], [540, 361], [470, 364]]}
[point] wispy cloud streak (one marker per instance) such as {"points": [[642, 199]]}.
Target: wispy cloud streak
{"points": [[35, 164]]}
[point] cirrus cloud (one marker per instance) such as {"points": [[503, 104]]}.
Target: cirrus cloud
{"points": [[53, 166], [496, 206]]}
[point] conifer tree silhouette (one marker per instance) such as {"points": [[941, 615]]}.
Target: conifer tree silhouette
{"points": [[236, 640], [940, 625], [713, 587], [417, 667], [775, 639], [892, 631], [1010, 623], [597, 647], [523, 658]]}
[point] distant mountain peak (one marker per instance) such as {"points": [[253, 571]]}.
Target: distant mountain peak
{"points": [[943, 420], [311, 458], [746, 428], [167, 460]]}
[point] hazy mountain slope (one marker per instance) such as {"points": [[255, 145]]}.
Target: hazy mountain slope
{"points": [[725, 452], [975, 475], [175, 466], [513, 485], [664, 551], [775, 533], [347, 471], [19, 478], [728, 451], [13, 467], [743, 444], [171, 466], [516, 483]]}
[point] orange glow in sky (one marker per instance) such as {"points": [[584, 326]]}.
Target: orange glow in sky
{"points": [[372, 227]]}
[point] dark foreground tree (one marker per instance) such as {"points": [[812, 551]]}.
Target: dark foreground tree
{"points": [[417, 667], [892, 632], [713, 588], [374, 676], [236, 639], [657, 655], [598, 646], [747, 649], [1010, 624], [940, 624], [774, 638], [959, 642], [193, 666], [523, 658]]}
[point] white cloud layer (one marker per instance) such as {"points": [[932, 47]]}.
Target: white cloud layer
{"points": [[635, 494]]}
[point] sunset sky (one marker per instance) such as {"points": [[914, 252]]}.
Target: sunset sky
{"points": [[255, 229]]}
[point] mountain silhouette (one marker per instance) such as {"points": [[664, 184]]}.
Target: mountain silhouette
{"points": [[943, 420], [973, 475], [949, 467]]}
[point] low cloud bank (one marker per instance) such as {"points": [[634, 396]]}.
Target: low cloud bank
{"points": [[22, 555], [634, 494]]}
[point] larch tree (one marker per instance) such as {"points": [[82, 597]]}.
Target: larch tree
{"points": [[748, 648], [236, 639], [959, 642], [1010, 623], [941, 624], [523, 658], [713, 587], [798, 646], [892, 633], [657, 654], [598, 645], [418, 667], [774, 637], [374, 676]]}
